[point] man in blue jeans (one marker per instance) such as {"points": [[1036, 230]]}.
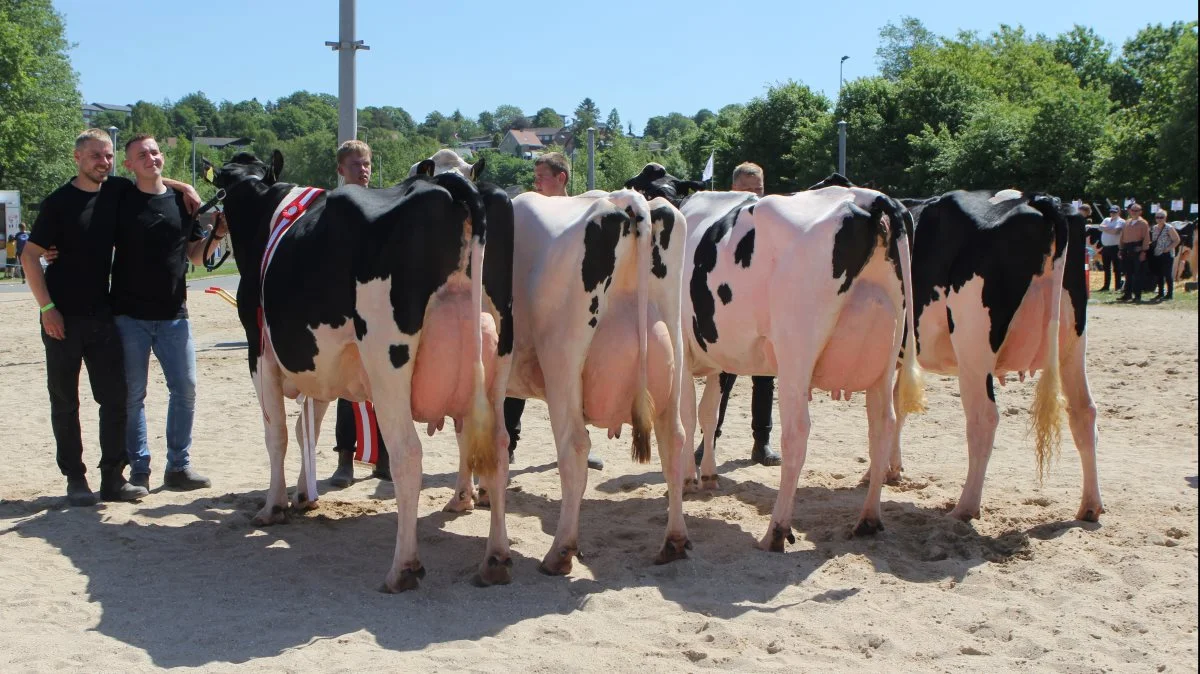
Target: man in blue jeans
{"points": [[155, 239]]}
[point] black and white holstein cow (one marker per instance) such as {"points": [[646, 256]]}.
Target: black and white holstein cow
{"points": [[596, 307], [373, 294], [989, 271], [812, 288]]}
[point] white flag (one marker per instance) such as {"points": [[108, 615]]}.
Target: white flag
{"points": [[1077, 203], [1153, 208], [708, 168], [1177, 204], [1193, 208], [1128, 201]]}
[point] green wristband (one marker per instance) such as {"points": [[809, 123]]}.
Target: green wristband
{"points": [[46, 308]]}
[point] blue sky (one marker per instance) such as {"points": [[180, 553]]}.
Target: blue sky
{"points": [[638, 57]]}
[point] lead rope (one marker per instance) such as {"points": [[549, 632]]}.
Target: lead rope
{"points": [[308, 445]]}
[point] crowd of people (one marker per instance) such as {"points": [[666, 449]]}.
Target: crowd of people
{"points": [[1134, 255]]}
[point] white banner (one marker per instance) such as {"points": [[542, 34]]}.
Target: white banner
{"points": [[1077, 203], [1194, 208], [1177, 204], [1153, 208]]}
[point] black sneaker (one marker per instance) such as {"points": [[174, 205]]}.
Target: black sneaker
{"points": [[186, 480], [79, 493]]}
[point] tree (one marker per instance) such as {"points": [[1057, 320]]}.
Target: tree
{"points": [[39, 101], [547, 118], [149, 118], [614, 122], [662, 127], [586, 115], [1090, 55], [506, 115], [784, 133], [507, 170], [894, 53], [488, 121], [702, 116], [1179, 134]]}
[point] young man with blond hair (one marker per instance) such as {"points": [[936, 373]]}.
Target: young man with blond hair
{"points": [[748, 177], [155, 240], [551, 175], [354, 167], [76, 229]]}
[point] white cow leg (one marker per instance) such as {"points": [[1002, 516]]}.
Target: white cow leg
{"points": [[982, 419], [674, 455], [794, 416], [573, 444], [687, 402], [496, 568], [1082, 413], [709, 408], [304, 500], [895, 468], [270, 396], [464, 490], [881, 421]]}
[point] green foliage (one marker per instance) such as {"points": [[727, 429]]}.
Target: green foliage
{"points": [[507, 117], [505, 169], [547, 118], [896, 44], [39, 101], [785, 133]]}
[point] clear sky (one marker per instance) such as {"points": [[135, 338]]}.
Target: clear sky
{"points": [[643, 58]]}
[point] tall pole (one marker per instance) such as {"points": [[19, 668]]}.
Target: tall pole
{"points": [[195, 130], [591, 184], [346, 46], [840, 64], [112, 131], [842, 147]]}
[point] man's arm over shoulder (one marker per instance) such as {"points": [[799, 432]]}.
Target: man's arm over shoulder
{"points": [[191, 198]]}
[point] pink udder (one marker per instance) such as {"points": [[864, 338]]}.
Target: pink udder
{"points": [[443, 375]]}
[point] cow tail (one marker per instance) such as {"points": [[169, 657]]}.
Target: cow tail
{"points": [[910, 394], [480, 424], [642, 414], [1048, 407]]}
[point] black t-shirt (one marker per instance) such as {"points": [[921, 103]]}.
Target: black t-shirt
{"points": [[153, 232], [82, 226]]}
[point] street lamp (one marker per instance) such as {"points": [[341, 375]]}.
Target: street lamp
{"points": [[112, 131], [195, 130], [840, 64]]}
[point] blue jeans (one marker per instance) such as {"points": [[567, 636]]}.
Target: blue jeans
{"points": [[171, 342]]}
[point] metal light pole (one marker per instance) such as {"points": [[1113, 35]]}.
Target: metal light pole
{"points": [[840, 64], [112, 131], [842, 147], [346, 46], [195, 130], [591, 183]]}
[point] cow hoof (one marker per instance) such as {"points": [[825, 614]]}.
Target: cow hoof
{"points": [[272, 515], [302, 503], [963, 515], [484, 499], [868, 527], [495, 570], [1089, 513], [673, 549], [893, 476], [691, 485], [409, 579], [462, 502], [709, 483], [773, 542], [557, 563]]}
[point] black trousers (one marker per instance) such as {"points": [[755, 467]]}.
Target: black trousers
{"points": [[1164, 272], [760, 405], [1112, 266], [513, 409], [94, 341], [1132, 266]]}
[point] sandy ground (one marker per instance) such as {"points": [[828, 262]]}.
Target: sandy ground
{"points": [[185, 580]]}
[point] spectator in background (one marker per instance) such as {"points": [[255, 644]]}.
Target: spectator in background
{"points": [[748, 177], [354, 166], [1135, 245], [1164, 239], [1110, 238], [21, 237]]}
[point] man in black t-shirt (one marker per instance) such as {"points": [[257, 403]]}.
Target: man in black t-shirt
{"points": [[155, 239], [77, 220]]}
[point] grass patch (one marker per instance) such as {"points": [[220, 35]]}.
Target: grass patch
{"points": [[228, 269]]}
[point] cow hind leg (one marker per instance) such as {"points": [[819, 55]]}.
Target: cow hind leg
{"points": [[672, 451], [573, 444], [982, 416], [304, 500], [496, 568], [464, 491], [881, 421], [895, 466], [269, 387], [794, 415], [394, 411], [1081, 410], [709, 409], [687, 403]]}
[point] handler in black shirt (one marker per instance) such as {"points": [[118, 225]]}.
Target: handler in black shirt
{"points": [[77, 220], [155, 240]]}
